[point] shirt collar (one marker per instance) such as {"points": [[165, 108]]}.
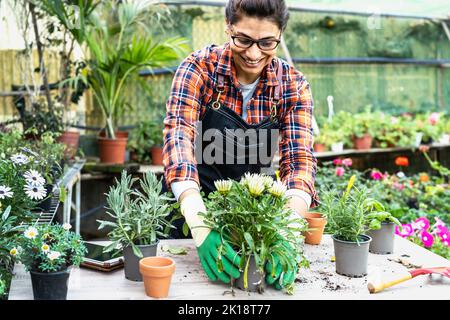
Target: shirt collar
{"points": [[224, 67]]}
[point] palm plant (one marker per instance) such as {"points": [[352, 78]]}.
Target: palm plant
{"points": [[119, 44]]}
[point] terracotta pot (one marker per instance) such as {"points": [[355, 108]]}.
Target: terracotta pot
{"points": [[316, 222], [157, 156], [365, 142], [71, 140], [157, 274], [319, 147], [112, 150]]}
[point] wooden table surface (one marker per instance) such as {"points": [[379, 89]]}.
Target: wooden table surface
{"points": [[320, 281]]}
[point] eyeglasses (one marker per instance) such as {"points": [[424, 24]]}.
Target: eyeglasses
{"points": [[263, 44]]}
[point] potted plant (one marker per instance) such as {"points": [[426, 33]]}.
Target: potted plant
{"points": [[147, 139], [251, 216], [140, 219], [118, 47], [364, 126], [48, 252], [381, 225], [346, 214]]}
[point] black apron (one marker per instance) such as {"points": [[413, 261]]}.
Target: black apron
{"points": [[225, 123]]}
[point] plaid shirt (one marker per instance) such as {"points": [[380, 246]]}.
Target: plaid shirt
{"points": [[193, 87]]}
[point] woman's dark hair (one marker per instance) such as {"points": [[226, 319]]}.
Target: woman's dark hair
{"points": [[274, 10]]}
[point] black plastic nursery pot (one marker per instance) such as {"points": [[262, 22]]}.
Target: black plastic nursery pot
{"points": [[50, 285], [131, 261], [382, 239], [255, 280], [351, 258]]}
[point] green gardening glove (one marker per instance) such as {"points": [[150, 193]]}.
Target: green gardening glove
{"points": [[208, 242], [274, 269]]}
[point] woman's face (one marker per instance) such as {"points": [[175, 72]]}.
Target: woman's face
{"points": [[251, 61]]}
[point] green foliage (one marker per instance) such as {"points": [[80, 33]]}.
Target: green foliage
{"points": [[146, 135], [251, 216], [49, 248], [8, 229], [139, 216], [120, 44]]}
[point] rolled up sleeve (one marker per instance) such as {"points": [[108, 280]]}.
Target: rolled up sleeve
{"points": [[298, 164]]}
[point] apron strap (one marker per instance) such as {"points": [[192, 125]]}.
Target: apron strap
{"points": [[276, 93]]}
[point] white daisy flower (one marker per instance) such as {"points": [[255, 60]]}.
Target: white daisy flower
{"points": [[19, 158], [400, 174], [45, 248], [223, 186], [67, 226], [5, 192], [245, 179], [31, 233], [34, 178], [278, 189], [54, 255], [37, 192], [256, 185], [268, 181], [13, 251]]}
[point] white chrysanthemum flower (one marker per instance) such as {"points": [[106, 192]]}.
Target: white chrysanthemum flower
{"points": [[54, 255], [5, 192], [34, 178], [278, 189], [67, 226], [35, 192], [245, 179], [256, 185], [19, 158], [223, 186], [268, 181], [31, 233], [45, 248], [13, 251]]}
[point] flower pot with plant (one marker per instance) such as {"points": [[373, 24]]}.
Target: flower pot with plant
{"points": [[48, 252], [252, 217], [381, 225], [119, 47], [140, 219], [346, 214], [365, 125]]}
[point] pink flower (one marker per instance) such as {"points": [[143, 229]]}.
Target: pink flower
{"points": [[427, 239], [433, 118], [406, 230], [398, 186], [441, 229], [347, 162], [376, 175], [421, 223], [337, 162], [445, 237], [439, 223], [340, 171]]}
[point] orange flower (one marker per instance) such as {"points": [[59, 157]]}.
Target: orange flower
{"points": [[402, 161], [424, 177]]}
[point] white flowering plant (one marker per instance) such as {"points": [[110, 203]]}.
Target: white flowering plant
{"points": [[252, 216], [48, 248]]}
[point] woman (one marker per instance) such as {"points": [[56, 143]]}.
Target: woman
{"points": [[242, 88]]}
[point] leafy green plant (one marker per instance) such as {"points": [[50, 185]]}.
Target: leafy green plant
{"points": [[251, 215], [140, 217], [146, 135], [377, 214], [49, 248], [395, 132], [119, 45], [346, 212]]}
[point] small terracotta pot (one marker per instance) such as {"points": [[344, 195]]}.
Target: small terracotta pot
{"points": [[316, 222], [157, 156], [112, 150], [365, 142], [319, 147], [157, 274], [71, 140]]}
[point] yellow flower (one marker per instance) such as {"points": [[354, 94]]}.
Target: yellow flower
{"points": [[13, 251], [256, 185], [278, 189], [223, 186]]}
